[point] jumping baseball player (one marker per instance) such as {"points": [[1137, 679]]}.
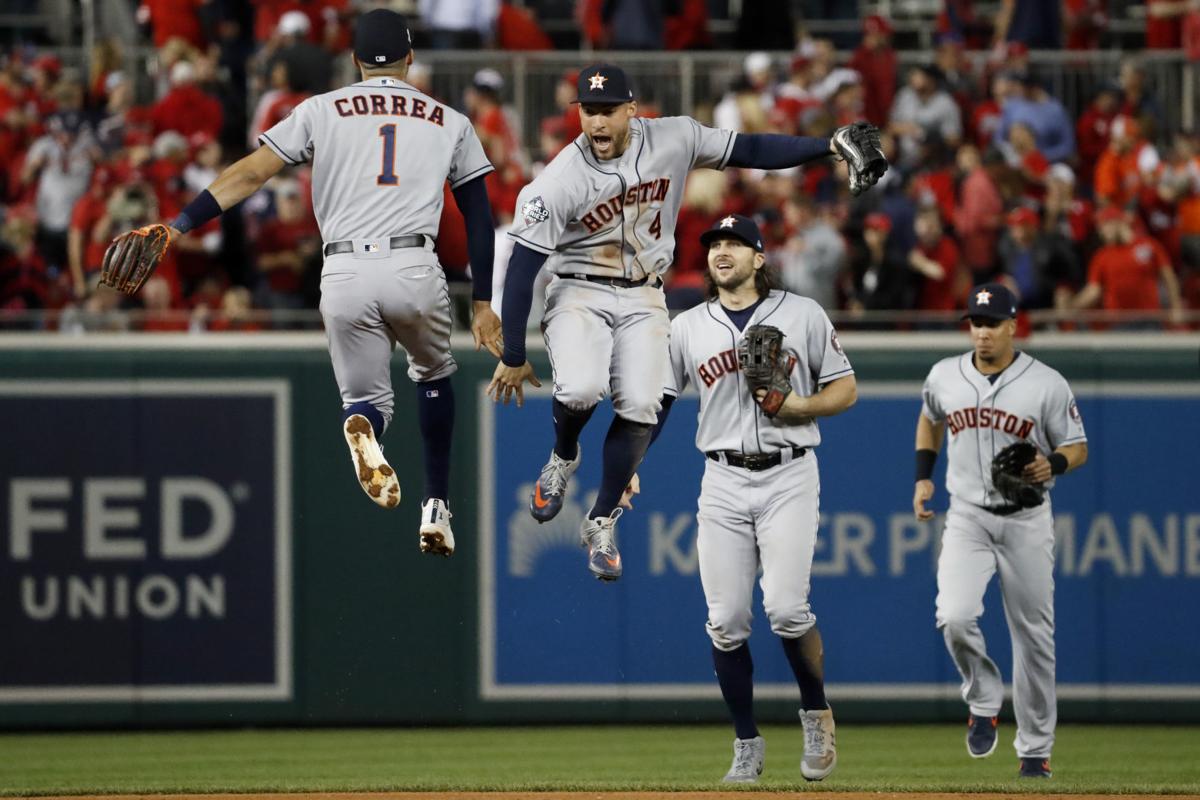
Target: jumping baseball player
{"points": [[601, 217], [381, 152], [767, 363], [1013, 428]]}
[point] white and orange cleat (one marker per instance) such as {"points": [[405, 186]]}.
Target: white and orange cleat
{"points": [[374, 474]]}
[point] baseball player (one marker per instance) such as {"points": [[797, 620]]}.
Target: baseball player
{"points": [[601, 217], [997, 403], [381, 152], [767, 363]]}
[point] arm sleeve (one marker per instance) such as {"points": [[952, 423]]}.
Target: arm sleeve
{"points": [[292, 137], [776, 151], [543, 210], [1064, 425], [523, 268], [677, 372], [472, 200], [930, 407], [468, 161], [711, 147], [826, 358], [667, 401]]}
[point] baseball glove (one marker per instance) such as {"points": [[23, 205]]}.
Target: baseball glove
{"points": [[131, 257], [1008, 467], [760, 356], [858, 146]]}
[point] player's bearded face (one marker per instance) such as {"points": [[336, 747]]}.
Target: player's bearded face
{"points": [[607, 127], [732, 263]]}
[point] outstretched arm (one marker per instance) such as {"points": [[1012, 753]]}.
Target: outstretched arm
{"points": [[777, 151], [237, 182], [472, 201], [513, 369]]}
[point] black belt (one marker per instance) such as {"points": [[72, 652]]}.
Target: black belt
{"points": [[396, 243], [1003, 511], [620, 283], [754, 461]]}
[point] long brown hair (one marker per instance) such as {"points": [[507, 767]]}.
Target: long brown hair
{"points": [[765, 280]]}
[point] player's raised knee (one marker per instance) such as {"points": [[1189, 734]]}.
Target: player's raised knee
{"points": [[580, 396], [957, 626], [642, 407]]}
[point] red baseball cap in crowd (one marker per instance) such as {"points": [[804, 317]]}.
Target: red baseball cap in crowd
{"points": [[1110, 214], [1023, 216], [877, 24], [878, 221]]}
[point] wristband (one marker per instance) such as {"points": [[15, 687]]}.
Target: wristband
{"points": [[198, 212], [1058, 463], [926, 458]]}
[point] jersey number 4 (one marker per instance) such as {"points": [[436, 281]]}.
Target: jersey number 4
{"points": [[387, 173], [656, 226]]}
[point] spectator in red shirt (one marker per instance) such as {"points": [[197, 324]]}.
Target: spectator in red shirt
{"points": [[287, 245], [275, 104], [161, 312], [1084, 21], [875, 61], [978, 213], [83, 253], [186, 108], [1125, 274], [24, 283], [1164, 23], [170, 19], [518, 29], [1092, 128], [687, 29], [703, 196], [936, 258], [1065, 213]]}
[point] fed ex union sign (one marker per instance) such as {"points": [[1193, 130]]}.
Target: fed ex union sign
{"points": [[145, 552]]}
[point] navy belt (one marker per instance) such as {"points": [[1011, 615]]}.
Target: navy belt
{"points": [[753, 461], [620, 283], [396, 243], [1003, 511]]}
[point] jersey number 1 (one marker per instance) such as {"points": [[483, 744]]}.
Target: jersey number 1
{"points": [[387, 173]]}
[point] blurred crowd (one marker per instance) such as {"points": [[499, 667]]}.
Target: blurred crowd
{"points": [[992, 178]]}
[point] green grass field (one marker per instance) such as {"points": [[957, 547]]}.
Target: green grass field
{"points": [[1091, 759]]}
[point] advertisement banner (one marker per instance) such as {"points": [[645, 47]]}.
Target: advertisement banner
{"points": [[1128, 552], [146, 540]]}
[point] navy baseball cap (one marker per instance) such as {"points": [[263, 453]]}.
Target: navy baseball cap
{"points": [[381, 36], [991, 301], [603, 84], [734, 226]]}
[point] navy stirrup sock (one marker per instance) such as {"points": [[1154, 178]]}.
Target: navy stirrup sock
{"points": [[435, 410]]}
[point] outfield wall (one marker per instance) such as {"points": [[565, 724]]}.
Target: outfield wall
{"points": [[183, 544]]}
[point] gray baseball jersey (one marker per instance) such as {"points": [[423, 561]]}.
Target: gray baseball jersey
{"points": [[704, 353], [617, 218], [1028, 401], [749, 519], [381, 152]]}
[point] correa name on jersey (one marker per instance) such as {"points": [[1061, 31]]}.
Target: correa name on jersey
{"points": [[394, 105], [652, 191], [994, 418]]}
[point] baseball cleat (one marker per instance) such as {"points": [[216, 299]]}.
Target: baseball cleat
{"points": [[436, 536], [547, 498], [1035, 768], [748, 755], [981, 735], [600, 538], [375, 475], [820, 746]]}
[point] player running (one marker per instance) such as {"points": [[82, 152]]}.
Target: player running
{"points": [[381, 153], [601, 217], [767, 363], [1013, 427]]}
